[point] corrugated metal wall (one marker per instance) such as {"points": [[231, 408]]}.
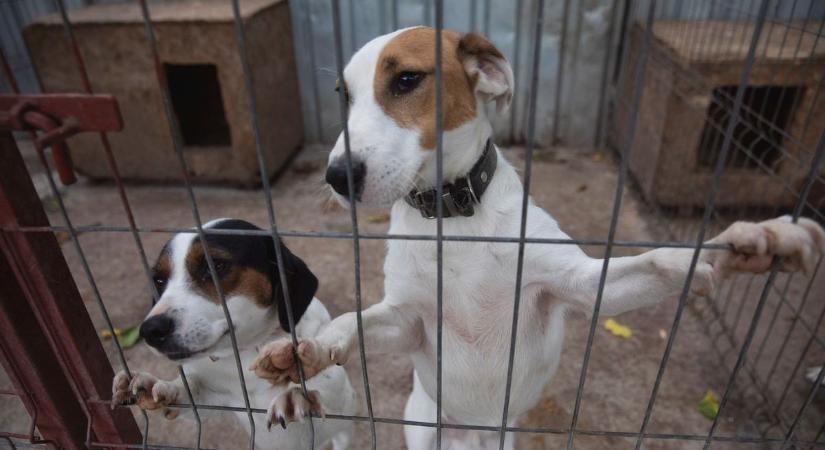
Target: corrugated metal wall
{"points": [[575, 31], [14, 15], [586, 43]]}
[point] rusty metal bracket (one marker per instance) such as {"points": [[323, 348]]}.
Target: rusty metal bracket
{"points": [[58, 117]]}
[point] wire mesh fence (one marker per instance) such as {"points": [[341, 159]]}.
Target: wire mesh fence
{"points": [[754, 149]]}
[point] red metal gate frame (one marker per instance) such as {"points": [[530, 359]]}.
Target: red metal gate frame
{"points": [[50, 348]]}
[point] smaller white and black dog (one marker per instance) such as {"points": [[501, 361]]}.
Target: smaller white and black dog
{"points": [[188, 326]]}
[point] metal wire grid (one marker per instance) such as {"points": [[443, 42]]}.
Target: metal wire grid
{"points": [[388, 17], [710, 213], [801, 201]]}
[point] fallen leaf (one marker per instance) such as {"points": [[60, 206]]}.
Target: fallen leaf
{"points": [[378, 218], [618, 329], [129, 336], [62, 237], [582, 188], [50, 204], [709, 406], [106, 334], [597, 157]]}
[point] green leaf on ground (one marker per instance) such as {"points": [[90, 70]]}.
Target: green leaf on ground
{"points": [[709, 406], [129, 337]]}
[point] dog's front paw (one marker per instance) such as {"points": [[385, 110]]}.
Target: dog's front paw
{"points": [[276, 361], [120, 389], [146, 391], [755, 244], [291, 406]]}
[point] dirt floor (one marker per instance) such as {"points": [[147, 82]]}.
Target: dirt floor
{"points": [[578, 190]]}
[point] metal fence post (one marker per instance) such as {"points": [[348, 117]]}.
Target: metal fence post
{"points": [[51, 349]]}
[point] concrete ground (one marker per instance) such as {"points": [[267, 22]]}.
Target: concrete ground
{"points": [[578, 190]]}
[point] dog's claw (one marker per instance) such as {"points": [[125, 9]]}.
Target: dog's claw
{"points": [[756, 244], [292, 406], [144, 390], [120, 389]]}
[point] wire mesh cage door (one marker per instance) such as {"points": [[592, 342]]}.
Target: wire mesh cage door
{"points": [[737, 138], [715, 115]]}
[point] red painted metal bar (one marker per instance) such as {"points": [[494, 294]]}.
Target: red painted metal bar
{"points": [[50, 347], [92, 112], [59, 116]]}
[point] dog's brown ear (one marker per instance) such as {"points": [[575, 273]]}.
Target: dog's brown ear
{"points": [[301, 283], [488, 69]]}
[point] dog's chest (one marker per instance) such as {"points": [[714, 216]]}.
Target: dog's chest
{"points": [[478, 289], [479, 286]]}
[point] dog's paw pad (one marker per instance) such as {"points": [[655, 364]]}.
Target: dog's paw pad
{"points": [[292, 406]]}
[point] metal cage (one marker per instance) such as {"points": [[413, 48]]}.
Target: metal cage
{"points": [[764, 329]]}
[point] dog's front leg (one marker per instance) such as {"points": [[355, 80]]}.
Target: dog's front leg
{"points": [[387, 328], [647, 279], [149, 393]]}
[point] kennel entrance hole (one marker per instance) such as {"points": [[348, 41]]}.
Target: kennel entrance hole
{"points": [[758, 136], [198, 104]]}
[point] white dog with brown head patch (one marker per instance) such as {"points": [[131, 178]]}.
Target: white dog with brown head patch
{"points": [[188, 326], [391, 90]]}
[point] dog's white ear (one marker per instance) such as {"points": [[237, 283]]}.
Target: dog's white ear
{"points": [[488, 70]]}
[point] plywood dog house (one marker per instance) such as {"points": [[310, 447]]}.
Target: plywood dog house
{"points": [[200, 57], [689, 90]]}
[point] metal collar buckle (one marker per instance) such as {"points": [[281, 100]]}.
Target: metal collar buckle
{"points": [[457, 198], [421, 205], [456, 201]]}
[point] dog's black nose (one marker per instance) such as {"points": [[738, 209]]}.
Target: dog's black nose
{"points": [[337, 176], [156, 329]]}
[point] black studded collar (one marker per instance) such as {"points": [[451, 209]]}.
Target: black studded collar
{"points": [[459, 196]]}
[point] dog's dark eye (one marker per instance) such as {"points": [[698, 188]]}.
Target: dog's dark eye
{"points": [[160, 283], [405, 82], [222, 268]]}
